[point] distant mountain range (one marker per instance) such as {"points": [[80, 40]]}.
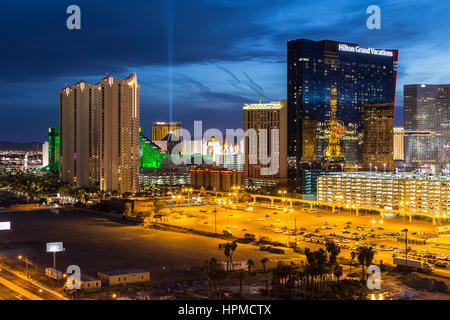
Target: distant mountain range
{"points": [[20, 146]]}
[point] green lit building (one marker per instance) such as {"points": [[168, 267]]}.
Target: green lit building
{"points": [[150, 154], [53, 149]]}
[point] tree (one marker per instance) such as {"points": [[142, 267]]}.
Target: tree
{"points": [[213, 273], [264, 262], [64, 192], [227, 253], [333, 251], [316, 266], [250, 264], [353, 256], [365, 257], [338, 272], [241, 276], [233, 248]]}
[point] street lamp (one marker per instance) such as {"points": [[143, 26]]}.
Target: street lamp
{"points": [[377, 226], [370, 167], [406, 245], [384, 167], [25, 259]]}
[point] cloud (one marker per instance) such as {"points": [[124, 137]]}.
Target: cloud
{"points": [[244, 40]]}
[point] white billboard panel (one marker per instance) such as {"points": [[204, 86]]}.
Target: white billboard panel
{"points": [[5, 225], [55, 247]]}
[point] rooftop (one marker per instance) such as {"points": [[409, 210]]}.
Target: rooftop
{"points": [[123, 271]]}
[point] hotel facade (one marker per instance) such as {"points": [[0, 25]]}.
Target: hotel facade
{"points": [[264, 118], [360, 76], [414, 193], [99, 134], [427, 126]]}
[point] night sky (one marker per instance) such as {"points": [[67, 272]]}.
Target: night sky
{"points": [[218, 53]]}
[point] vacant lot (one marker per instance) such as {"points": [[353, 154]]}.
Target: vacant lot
{"points": [[99, 244]]}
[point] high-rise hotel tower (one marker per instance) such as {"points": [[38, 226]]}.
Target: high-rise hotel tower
{"points": [[361, 76], [99, 132], [426, 115]]}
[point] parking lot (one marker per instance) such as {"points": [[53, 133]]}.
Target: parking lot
{"points": [[314, 228]]}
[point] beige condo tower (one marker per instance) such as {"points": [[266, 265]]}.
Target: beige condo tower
{"points": [[100, 134]]}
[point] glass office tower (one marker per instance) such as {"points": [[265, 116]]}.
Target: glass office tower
{"points": [[427, 126], [361, 76]]}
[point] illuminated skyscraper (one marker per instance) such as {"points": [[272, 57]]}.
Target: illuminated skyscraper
{"points": [[100, 134], [45, 154], [359, 75], [427, 126], [119, 133], [53, 149], [161, 129], [265, 116], [76, 105], [398, 143], [378, 146]]}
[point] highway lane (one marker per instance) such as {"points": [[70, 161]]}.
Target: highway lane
{"points": [[8, 294], [29, 288]]}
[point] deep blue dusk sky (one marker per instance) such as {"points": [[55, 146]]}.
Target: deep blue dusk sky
{"points": [[225, 53]]}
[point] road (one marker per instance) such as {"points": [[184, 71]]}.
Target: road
{"points": [[15, 286], [8, 294]]}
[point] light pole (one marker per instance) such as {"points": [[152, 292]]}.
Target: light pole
{"points": [[370, 167], [25, 259], [377, 226], [406, 245], [384, 167]]}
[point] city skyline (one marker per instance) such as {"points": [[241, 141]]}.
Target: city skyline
{"points": [[247, 57]]}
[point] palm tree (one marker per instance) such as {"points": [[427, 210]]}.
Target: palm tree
{"points": [[338, 272], [264, 261], [333, 251], [227, 253], [233, 248], [64, 192], [213, 273], [81, 194], [250, 264], [241, 275], [365, 257], [353, 256]]}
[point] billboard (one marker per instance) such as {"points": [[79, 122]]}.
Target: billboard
{"points": [[55, 247], [6, 225]]}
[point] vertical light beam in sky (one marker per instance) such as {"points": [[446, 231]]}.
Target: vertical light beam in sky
{"points": [[170, 52]]}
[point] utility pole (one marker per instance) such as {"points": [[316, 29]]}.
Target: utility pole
{"points": [[295, 232], [215, 220]]}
